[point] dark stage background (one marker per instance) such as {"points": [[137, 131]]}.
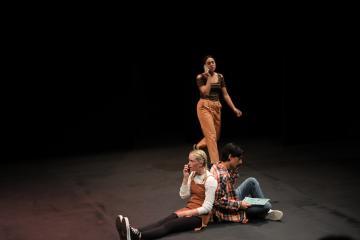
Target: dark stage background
{"points": [[98, 111], [84, 89]]}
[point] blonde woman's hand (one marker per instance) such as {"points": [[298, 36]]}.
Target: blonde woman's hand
{"points": [[245, 220], [186, 171]]}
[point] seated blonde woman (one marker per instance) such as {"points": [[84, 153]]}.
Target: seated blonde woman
{"points": [[198, 186]]}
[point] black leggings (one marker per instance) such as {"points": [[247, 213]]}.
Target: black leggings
{"points": [[170, 224]]}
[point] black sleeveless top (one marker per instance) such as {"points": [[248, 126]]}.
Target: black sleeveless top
{"points": [[215, 89]]}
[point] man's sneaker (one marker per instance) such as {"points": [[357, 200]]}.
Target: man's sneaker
{"points": [[135, 234], [121, 227], [274, 215], [195, 147]]}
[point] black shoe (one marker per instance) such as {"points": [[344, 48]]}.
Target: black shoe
{"points": [[121, 227], [135, 234]]}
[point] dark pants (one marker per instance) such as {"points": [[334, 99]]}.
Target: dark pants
{"points": [[170, 224], [251, 187]]}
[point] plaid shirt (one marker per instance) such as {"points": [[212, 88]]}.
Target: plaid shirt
{"points": [[226, 205]]}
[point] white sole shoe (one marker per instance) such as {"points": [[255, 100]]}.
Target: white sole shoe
{"points": [[274, 215], [121, 227], [127, 228]]}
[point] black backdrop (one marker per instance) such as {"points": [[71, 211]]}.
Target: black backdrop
{"points": [[85, 89]]}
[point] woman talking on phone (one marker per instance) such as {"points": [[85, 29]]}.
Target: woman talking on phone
{"points": [[198, 186], [211, 84]]}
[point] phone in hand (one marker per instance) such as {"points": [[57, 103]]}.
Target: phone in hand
{"points": [[188, 169], [206, 69]]}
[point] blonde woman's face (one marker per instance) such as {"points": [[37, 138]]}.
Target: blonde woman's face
{"points": [[194, 164]]}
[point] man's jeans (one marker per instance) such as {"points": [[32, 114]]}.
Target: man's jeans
{"points": [[251, 188]]}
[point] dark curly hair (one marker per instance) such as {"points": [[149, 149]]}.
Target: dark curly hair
{"points": [[206, 58], [233, 149]]}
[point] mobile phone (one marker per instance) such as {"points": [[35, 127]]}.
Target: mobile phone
{"points": [[206, 69]]}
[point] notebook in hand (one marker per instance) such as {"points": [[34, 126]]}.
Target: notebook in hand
{"points": [[256, 201]]}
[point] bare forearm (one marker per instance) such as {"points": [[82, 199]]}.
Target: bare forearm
{"points": [[206, 89]]}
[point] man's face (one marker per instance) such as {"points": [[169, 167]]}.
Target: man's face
{"points": [[235, 161]]}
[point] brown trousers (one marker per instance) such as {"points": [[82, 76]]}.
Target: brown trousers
{"points": [[209, 114]]}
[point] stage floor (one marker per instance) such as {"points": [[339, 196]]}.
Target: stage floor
{"points": [[316, 186]]}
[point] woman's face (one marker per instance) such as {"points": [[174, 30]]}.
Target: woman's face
{"points": [[194, 164], [210, 63]]}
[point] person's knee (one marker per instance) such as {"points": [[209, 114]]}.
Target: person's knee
{"points": [[267, 206], [252, 181]]}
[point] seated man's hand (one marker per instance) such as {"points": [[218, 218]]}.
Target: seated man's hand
{"points": [[244, 205]]}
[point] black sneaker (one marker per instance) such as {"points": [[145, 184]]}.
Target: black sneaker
{"points": [[121, 227], [135, 234]]}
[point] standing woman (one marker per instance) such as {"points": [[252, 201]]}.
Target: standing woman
{"points": [[211, 84]]}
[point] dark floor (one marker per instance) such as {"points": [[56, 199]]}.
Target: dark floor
{"points": [[317, 187]]}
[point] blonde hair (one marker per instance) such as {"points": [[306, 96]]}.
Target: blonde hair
{"points": [[200, 155]]}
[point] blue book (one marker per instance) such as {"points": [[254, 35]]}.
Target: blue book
{"points": [[256, 201]]}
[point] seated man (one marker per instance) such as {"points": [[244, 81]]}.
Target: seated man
{"points": [[229, 204]]}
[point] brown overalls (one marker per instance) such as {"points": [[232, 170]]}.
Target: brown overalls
{"points": [[197, 197]]}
